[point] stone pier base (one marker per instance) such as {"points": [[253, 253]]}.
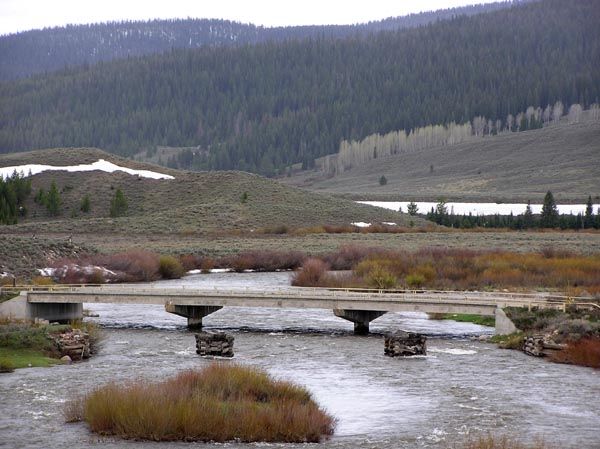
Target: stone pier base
{"points": [[194, 314], [404, 344], [214, 344], [360, 318]]}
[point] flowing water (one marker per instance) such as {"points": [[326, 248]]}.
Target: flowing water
{"points": [[462, 387]]}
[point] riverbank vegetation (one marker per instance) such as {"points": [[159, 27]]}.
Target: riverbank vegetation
{"points": [[218, 403], [453, 269], [481, 320], [369, 267], [34, 345], [577, 327]]}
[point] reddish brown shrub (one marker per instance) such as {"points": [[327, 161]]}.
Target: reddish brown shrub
{"points": [[311, 274], [206, 264], [189, 262], [348, 256], [264, 260], [585, 352]]}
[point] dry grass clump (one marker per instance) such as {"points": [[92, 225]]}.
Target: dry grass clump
{"points": [[584, 352], [219, 403]]}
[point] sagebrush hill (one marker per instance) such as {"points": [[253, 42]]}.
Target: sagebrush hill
{"points": [[192, 203]]}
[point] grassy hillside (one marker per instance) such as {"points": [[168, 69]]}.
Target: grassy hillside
{"points": [[191, 203], [509, 167]]}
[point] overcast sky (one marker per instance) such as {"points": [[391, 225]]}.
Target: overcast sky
{"points": [[22, 15]]}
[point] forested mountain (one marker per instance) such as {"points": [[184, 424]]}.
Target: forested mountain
{"points": [[50, 49], [263, 107]]}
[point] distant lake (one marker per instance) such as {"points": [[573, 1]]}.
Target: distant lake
{"points": [[480, 208]]}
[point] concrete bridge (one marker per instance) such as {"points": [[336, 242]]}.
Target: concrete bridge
{"points": [[361, 306]]}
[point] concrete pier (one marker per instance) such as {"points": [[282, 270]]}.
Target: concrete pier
{"points": [[360, 318], [194, 314]]}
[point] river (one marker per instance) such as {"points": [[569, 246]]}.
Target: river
{"points": [[461, 387]]}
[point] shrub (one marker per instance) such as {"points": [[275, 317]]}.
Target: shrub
{"points": [[207, 264], [6, 365], [263, 260], [189, 262], [381, 278], [585, 352], [311, 274], [219, 403], [414, 280], [42, 280], [375, 274], [512, 341], [170, 268]]}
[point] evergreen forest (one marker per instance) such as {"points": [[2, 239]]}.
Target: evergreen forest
{"points": [[38, 51], [264, 107]]}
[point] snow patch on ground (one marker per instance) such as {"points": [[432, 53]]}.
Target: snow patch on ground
{"points": [[361, 224], [100, 164], [48, 272], [87, 270]]}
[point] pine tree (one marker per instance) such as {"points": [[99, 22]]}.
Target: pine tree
{"points": [[549, 218], [85, 204], [53, 200], [528, 216], [588, 221], [412, 208], [118, 205]]}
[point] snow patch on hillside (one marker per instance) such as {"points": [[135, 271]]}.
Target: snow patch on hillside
{"points": [[100, 164]]}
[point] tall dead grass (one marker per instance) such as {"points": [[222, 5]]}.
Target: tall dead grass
{"points": [[219, 403]]}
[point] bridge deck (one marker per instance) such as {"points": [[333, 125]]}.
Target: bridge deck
{"points": [[481, 303]]}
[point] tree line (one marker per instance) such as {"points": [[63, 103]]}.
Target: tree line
{"points": [[262, 108], [548, 218], [14, 190]]}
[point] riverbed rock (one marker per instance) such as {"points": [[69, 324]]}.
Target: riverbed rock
{"points": [[66, 359], [541, 345], [404, 344], [217, 344]]}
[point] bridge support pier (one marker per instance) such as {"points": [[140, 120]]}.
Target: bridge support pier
{"points": [[360, 318], [194, 314]]}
